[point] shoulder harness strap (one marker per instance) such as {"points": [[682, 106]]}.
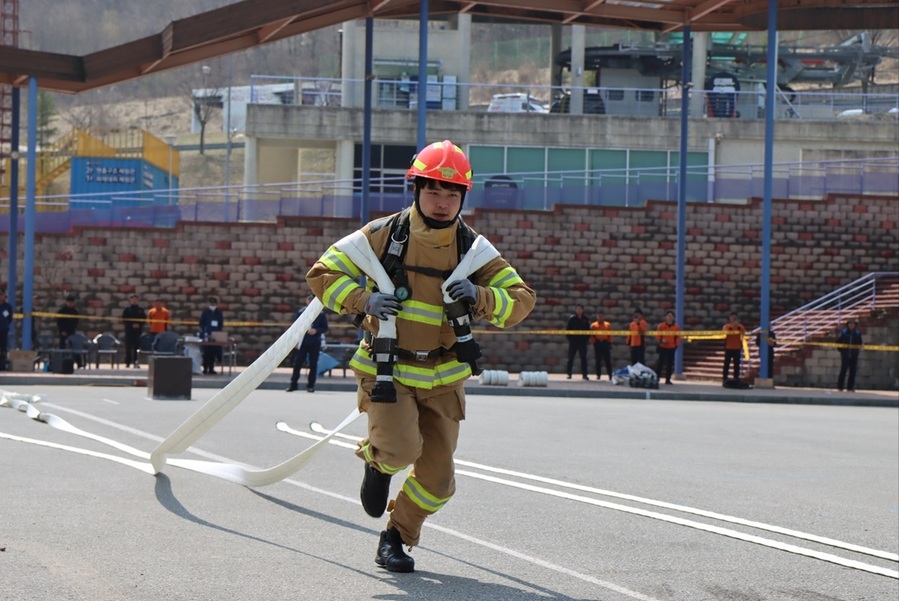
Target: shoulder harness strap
{"points": [[395, 252]]}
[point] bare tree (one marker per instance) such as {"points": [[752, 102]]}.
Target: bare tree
{"points": [[204, 102]]}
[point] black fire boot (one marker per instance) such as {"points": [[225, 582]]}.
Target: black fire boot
{"points": [[374, 492], [390, 553]]}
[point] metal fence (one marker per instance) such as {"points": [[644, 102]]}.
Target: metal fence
{"points": [[329, 197], [624, 101]]}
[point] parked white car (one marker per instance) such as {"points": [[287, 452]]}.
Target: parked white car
{"points": [[515, 103]]}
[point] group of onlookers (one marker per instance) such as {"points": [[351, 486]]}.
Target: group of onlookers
{"points": [[669, 339]]}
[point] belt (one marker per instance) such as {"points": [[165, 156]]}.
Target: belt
{"points": [[420, 355]]}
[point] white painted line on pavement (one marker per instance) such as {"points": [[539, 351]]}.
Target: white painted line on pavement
{"points": [[681, 508], [147, 468], [691, 524], [635, 511]]}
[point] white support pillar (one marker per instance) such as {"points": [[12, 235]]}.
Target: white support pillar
{"points": [[700, 55], [250, 161], [351, 63], [578, 45], [555, 72], [463, 24], [344, 152]]}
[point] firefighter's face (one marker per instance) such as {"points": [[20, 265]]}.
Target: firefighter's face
{"points": [[440, 204]]}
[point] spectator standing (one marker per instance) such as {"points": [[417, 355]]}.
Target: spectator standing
{"points": [[159, 318], [636, 340], [668, 344], [577, 343], [420, 424], [733, 345], [211, 320], [308, 350], [134, 317], [849, 356], [6, 317], [602, 344], [67, 320]]}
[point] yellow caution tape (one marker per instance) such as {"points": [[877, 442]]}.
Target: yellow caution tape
{"points": [[688, 336]]}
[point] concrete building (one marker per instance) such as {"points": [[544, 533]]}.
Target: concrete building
{"points": [[514, 142]]}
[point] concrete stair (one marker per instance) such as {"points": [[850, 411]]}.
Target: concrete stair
{"points": [[704, 359]]}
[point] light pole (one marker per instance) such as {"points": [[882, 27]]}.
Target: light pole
{"points": [[170, 140]]}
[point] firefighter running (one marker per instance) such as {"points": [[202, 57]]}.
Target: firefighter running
{"points": [[432, 359]]}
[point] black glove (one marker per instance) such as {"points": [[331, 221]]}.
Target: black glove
{"points": [[382, 305], [463, 290]]}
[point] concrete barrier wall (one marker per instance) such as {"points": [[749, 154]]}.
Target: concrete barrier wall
{"points": [[613, 258]]}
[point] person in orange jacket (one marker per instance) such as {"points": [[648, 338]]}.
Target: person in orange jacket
{"points": [[602, 344], [667, 346], [159, 318], [636, 340], [733, 345]]}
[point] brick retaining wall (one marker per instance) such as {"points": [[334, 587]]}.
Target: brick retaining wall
{"points": [[610, 257]]}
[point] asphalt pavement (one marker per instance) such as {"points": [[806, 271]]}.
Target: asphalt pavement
{"points": [[557, 385], [566, 492]]}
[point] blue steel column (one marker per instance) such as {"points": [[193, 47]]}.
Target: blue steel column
{"points": [[682, 196], [366, 118], [422, 74], [770, 85], [11, 278], [30, 216], [227, 142]]}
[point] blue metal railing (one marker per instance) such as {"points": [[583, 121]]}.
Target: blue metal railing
{"points": [[324, 196]]}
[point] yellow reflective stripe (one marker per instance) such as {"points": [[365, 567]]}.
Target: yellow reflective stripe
{"points": [[413, 376], [502, 307], [451, 372], [387, 469], [505, 278], [362, 362], [337, 292], [418, 495], [420, 312], [335, 260], [419, 165]]}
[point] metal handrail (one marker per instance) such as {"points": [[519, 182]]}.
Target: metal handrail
{"points": [[829, 311]]}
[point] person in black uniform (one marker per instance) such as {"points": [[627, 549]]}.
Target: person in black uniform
{"points": [[849, 356], [211, 320], [67, 323], [6, 314], [134, 318], [577, 343], [308, 350]]}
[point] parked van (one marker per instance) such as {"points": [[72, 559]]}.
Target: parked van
{"points": [[515, 103]]}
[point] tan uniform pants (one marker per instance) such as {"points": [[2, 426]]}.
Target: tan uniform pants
{"points": [[421, 429]]}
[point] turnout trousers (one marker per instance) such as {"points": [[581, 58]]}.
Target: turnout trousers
{"points": [[421, 429]]}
